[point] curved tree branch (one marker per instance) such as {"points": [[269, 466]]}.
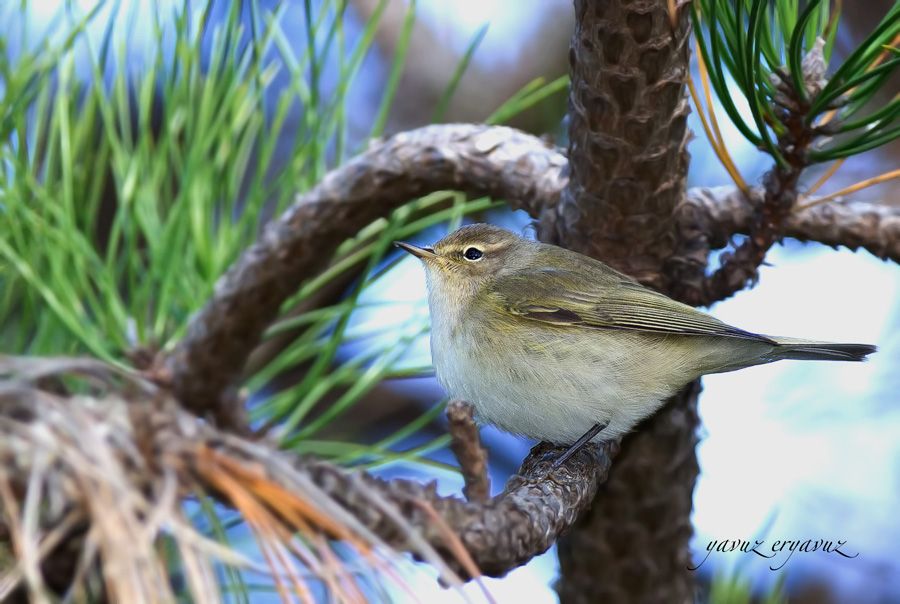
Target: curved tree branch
{"points": [[854, 224], [710, 216], [500, 534], [481, 160], [144, 444]]}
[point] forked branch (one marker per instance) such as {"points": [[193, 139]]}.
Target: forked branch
{"points": [[121, 458], [709, 217], [481, 160], [495, 161]]}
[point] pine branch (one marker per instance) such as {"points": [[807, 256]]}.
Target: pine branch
{"points": [[709, 217], [495, 161], [128, 440], [740, 267], [500, 534], [872, 226]]}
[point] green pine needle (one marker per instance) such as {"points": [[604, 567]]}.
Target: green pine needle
{"points": [[757, 43]]}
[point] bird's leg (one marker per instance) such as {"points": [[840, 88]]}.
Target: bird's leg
{"points": [[585, 439]]}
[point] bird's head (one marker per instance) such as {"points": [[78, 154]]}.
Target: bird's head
{"points": [[471, 256]]}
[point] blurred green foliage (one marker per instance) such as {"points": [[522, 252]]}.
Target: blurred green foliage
{"points": [[128, 187], [735, 588]]}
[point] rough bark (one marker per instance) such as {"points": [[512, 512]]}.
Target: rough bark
{"points": [[136, 440], [501, 534], [498, 161], [720, 212], [709, 217], [480, 160], [628, 166], [627, 132], [632, 546], [739, 267]]}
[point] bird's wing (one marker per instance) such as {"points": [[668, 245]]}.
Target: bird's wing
{"points": [[557, 297]]}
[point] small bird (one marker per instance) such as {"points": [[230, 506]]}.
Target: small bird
{"points": [[554, 345]]}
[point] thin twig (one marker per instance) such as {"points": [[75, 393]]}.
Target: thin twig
{"points": [[471, 455]]}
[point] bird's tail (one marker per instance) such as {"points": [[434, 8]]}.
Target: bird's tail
{"points": [[805, 350]]}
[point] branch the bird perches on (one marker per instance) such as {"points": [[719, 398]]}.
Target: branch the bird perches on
{"points": [[499, 533], [481, 160], [501, 162]]}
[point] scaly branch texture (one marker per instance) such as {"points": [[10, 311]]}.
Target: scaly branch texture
{"points": [[720, 212], [739, 267], [501, 534], [127, 452], [627, 131], [498, 161], [480, 160], [628, 168], [710, 216]]}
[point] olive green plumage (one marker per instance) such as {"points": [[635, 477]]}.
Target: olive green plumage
{"points": [[546, 342]]}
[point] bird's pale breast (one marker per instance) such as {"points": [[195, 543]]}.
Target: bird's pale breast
{"points": [[553, 383]]}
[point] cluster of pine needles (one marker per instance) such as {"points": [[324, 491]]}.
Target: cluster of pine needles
{"points": [[96, 465]]}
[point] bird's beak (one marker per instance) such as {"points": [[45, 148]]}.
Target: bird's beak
{"points": [[425, 253]]}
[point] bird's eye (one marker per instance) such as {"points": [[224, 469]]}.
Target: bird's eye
{"points": [[473, 254]]}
